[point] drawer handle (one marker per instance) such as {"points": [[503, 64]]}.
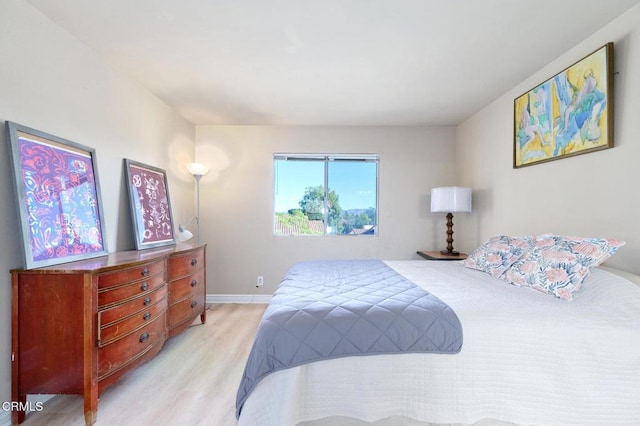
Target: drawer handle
{"points": [[143, 337], [145, 271], [146, 316], [194, 283], [144, 286], [147, 301], [194, 304], [194, 262]]}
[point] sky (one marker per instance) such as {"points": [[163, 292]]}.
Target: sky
{"points": [[354, 182]]}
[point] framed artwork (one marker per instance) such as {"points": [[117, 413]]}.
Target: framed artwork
{"points": [[569, 114], [150, 205], [58, 198]]}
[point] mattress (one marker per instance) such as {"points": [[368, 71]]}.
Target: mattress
{"points": [[527, 358], [336, 308]]}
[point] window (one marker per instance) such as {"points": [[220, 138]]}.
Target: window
{"points": [[325, 194]]}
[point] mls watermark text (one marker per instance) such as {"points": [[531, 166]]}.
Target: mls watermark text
{"points": [[27, 406]]}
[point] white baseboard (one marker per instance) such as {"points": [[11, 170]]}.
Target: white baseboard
{"points": [[238, 298]]}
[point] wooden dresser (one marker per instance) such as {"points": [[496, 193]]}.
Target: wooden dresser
{"points": [[78, 327]]}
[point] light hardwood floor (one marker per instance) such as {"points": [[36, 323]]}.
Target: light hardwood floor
{"points": [[192, 381]]}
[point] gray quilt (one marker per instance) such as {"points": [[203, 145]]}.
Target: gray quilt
{"points": [[331, 309]]}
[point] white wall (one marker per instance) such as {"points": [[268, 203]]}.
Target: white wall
{"points": [[237, 206], [51, 82], [593, 194]]}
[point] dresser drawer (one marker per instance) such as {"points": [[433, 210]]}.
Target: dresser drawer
{"points": [[117, 294], [115, 313], [186, 287], [125, 276], [109, 333], [185, 264], [116, 355], [186, 309], [114, 375]]}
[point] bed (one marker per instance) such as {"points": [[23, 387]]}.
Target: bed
{"points": [[527, 358]]}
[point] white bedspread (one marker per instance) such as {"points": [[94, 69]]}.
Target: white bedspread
{"points": [[527, 358]]}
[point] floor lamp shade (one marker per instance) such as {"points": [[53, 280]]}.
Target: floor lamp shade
{"points": [[449, 200], [198, 169]]}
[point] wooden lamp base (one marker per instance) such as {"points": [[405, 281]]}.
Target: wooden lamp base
{"points": [[450, 251]]}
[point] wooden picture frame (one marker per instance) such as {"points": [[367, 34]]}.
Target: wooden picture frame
{"points": [[569, 114], [150, 205], [58, 198]]}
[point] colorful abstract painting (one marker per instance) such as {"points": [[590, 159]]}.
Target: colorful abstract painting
{"points": [[59, 200], [569, 114], [150, 205]]}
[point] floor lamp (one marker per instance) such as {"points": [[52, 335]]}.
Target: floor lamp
{"points": [[450, 199], [197, 170]]}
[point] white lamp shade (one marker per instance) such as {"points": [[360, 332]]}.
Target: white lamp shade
{"points": [[183, 234], [198, 169], [451, 199]]}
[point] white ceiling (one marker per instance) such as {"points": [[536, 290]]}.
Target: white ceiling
{"points": [[330, 62]]}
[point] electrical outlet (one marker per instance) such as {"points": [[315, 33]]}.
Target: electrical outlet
{"points": [[259, 281]]}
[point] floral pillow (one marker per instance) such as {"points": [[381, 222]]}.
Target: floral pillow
{"points": [[558, 265], [497, 254]]}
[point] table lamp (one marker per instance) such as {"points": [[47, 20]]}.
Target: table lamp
{"points": [[450, 199]]}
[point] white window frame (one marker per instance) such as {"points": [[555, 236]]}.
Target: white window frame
{"points": [[327, 158]]}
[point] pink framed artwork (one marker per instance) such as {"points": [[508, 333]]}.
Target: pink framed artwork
{"points": [[58, 198], [150, 205]]}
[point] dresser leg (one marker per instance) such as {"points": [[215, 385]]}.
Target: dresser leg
{"points": [[203, 317], [91, 405], [90, 417], [17, 416]]}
